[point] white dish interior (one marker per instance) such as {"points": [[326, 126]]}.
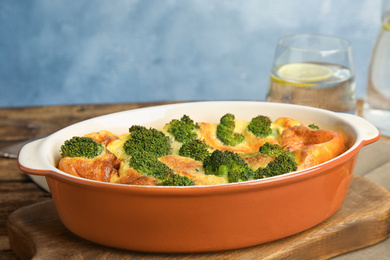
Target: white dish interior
{"points": [[358, 130]]}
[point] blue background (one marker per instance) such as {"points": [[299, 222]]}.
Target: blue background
{"points": [[83, 52]]}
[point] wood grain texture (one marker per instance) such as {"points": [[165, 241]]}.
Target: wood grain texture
{"points": [[17, 124], [363, 220], [17, 190], [22, 123]]}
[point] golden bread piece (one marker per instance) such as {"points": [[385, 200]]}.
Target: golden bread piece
{"points": [[105, 137], [251, 144], [132, 177], [101, 168], [192, 169], [257, 161], [312, 147]]}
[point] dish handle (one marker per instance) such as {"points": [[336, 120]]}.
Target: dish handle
{"points": [[30, 161], [369, 132]]}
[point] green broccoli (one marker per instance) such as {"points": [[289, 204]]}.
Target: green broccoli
{"points": [[174, 180], [81, 147], [196, 149], [184, 130], [228, 164], [260, 126], [149, 140], [225, 131], [314, 127], [284, 161], [275, 150], [271, 149], [148, 164]]}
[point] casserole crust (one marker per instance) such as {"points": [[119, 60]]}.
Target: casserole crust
{"points": [[309, 146]]}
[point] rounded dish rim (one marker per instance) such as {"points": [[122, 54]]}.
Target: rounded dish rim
{"points": [[53, 172]]}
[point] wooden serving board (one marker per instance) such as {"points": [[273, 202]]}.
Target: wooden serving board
{"points": [[363, 220]]}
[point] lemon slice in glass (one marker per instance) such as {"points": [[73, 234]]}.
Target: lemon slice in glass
{"points": [[386, 24], [304, 72]]}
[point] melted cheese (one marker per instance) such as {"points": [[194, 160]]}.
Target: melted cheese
{"points": [[116, 147], [251, 144], [192, 169], [310, 148]]}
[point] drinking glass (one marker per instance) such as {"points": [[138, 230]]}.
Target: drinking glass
{"points": [[314, 70], [376, 107]]}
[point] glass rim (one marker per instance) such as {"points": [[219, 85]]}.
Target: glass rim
{"points": [[346, 44]]}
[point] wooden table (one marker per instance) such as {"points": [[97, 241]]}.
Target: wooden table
{"points": [[18, 124]]}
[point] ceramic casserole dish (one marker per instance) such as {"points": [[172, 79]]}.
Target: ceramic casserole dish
{"points": [[198, 218]]}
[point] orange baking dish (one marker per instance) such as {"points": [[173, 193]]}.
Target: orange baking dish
{"points": [[198, 218]]}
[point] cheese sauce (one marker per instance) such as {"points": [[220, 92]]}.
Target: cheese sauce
{"points": [[310, 147]]}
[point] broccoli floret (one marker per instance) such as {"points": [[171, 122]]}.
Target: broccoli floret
{"points": [[275, 150], [260, 126], [184, 130], [148, 164], [225, 131], [196, 149], [271, 149], [175, 180], [149, 140], [241, 173], [314, 127], [228, 164], [283, 163], [81, 147]]}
